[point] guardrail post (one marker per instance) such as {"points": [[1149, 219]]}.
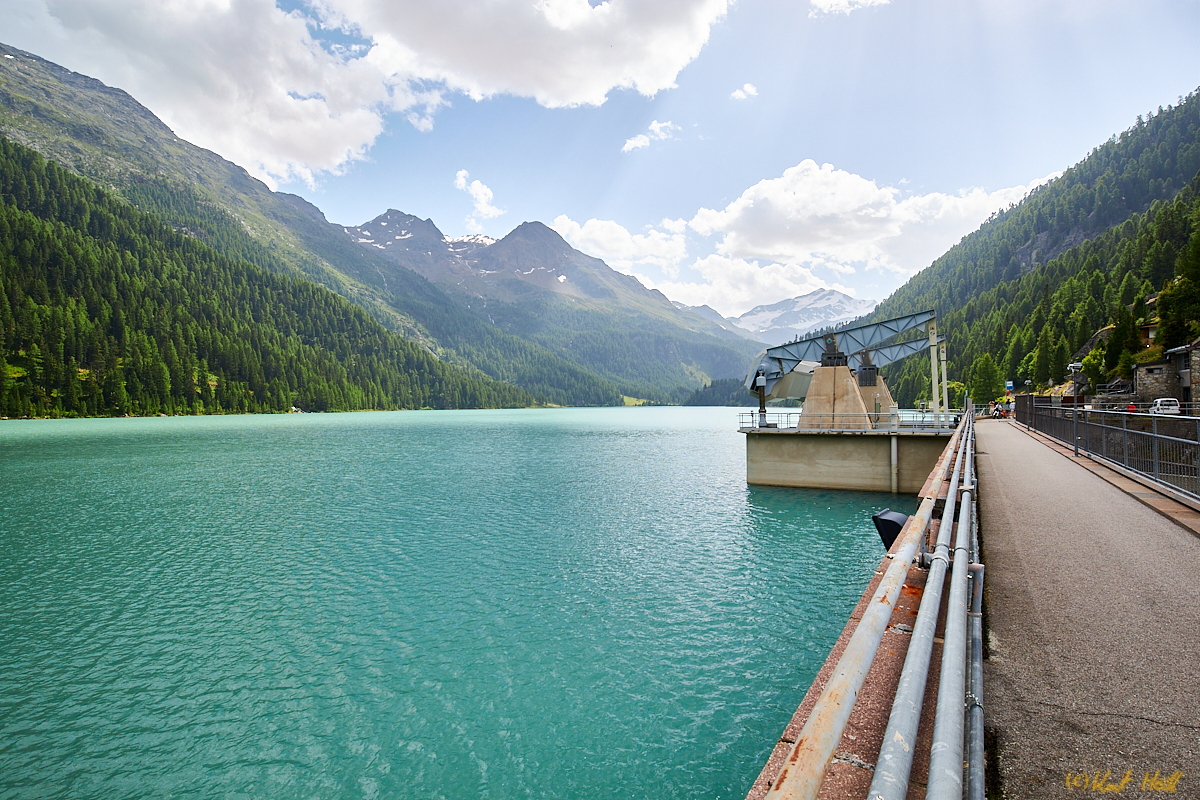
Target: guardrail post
{"points": [[1154, 427], [1104, 433], [1125, 440]]}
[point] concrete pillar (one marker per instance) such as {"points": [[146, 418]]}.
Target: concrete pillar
{"points": [[933, 368], [945, 380], [895, 463]]}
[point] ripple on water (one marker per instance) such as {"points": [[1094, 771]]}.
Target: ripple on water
{"points": [[561, 603]]}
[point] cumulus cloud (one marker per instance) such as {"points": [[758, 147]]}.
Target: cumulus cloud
{"points": [[268, 89], [641, 140], [811, 228], [621, 249], [658, 130], [733, 285], [841, 6], [833, 219], [748, 90], [657, 258], [482, 196]]}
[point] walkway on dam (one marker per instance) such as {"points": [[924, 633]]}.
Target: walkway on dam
{"points": [[1092, 615]]}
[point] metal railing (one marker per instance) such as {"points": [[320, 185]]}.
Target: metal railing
{"points": [[904, 420], [813, 750], [1165, 449]]}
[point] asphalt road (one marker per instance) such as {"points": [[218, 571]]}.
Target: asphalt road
{"points": [[1092, 614]]}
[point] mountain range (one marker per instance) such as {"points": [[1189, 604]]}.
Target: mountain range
{"points": [[792, 319], [527, 309]]}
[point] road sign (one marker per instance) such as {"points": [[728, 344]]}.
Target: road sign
{"points": [[1008, 386]]}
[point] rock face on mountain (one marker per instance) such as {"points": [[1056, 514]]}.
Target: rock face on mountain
{"points": [[711, 314], [532, 256], [788, 319]]}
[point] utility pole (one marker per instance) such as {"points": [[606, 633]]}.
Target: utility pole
{"points": [[760, 381], [1075, 366]]}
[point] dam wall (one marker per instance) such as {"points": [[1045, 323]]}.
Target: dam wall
{"points": [[869, 460]]}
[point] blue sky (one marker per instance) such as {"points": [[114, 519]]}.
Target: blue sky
{"points": [[872, 137]]}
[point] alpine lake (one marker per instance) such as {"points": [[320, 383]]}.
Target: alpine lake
{"points": [[558, 603]]}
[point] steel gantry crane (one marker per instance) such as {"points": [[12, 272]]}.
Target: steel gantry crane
{"points": [[787, 371]]}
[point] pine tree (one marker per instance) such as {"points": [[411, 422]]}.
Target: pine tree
{"points": [[1041, 361]]}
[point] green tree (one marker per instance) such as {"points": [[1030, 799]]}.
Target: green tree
{"points": [[1058, 361], [1041, 361], [986, 381], [1093, 367]]}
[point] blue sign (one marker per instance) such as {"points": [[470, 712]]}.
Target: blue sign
{"points": [[1008, 385]]}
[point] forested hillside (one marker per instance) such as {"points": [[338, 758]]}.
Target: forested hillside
{"points": [[725, 392], [399, 298], [996, 291], [102, 133], [1032, 327], [106, 310]]}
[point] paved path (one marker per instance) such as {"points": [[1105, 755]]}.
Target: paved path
{"points": [[1092, 607]]}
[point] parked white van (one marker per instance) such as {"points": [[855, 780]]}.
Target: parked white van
{"points": [[1165, 405]]}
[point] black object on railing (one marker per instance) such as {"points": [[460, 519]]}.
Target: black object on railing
{"points": [[889, 523]]}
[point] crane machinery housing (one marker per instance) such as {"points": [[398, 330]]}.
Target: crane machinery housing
{"points": [[849, 432]]}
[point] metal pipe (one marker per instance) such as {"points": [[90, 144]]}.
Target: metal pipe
{"points": [[804, 770], [975, 746], [894, 765], [946, 755]]}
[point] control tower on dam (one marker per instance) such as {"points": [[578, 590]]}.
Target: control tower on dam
{"points": [[849, 434]]}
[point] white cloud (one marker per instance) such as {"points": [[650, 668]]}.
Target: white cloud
{"points": [[641, 140], [622, 250], [240, 77], [662, 130], [833, 219], [733, 285], [748, 90], [482, 196], [808, 229], [262, 88], [841, 6], [658, 130]]}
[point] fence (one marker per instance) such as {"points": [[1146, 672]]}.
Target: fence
{"points": [[907, 420], [1164, 449]]}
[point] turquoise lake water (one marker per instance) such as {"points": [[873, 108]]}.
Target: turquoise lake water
{"points": [[575, 603]]}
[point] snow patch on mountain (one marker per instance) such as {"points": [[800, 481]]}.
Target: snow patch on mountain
{"points": [[788, 319]]}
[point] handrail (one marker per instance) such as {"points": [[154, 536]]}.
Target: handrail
{"points": [[894, 765], [946, 755], [907, 420], [807, 763], [1170, 460]]}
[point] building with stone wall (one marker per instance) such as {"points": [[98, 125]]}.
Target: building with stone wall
{"points": [[1176, 375]]}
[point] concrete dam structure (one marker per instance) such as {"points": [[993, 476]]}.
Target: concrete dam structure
{"points": [[850, 434]]}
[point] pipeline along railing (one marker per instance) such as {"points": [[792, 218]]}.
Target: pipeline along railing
{"points": [[958, 727]]}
